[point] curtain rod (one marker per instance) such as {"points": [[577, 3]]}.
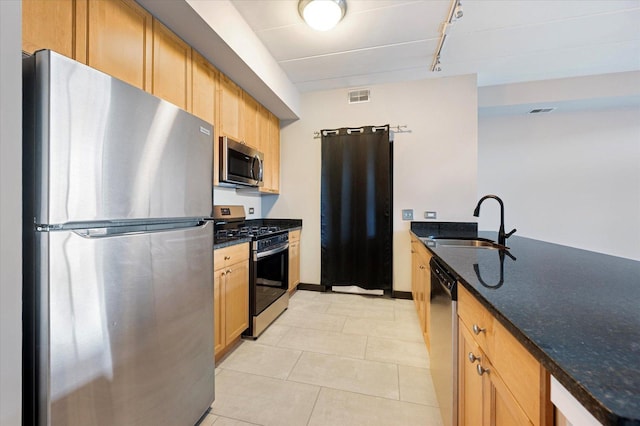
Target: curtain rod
{"points": [[317, 134]]}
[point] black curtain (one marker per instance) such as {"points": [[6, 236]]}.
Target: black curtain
{"points": [[356, 207]]}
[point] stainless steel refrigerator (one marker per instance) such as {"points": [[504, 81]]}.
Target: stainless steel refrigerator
{"points": [[118, 283]]}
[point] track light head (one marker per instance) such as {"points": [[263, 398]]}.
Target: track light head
{"points": [[458, 12]]}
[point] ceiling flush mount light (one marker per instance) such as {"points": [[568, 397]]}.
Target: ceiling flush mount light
{"points": [[322, 15]]}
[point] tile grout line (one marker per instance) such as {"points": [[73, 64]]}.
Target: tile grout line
{"points": [[315, 403]]}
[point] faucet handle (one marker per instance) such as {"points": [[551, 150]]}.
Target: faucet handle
{"points": [[513, 231]]}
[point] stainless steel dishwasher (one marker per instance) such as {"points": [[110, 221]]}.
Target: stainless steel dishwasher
{"points": [[444, 340]]}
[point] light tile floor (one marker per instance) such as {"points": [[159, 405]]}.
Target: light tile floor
{"points": [[330, 359]]}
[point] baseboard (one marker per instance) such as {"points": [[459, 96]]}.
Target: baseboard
{"points": [[312, 287], [323, 288], [401, 295]]}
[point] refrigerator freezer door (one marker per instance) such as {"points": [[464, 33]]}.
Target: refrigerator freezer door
{"points": [[130, 322], [104, 150]]}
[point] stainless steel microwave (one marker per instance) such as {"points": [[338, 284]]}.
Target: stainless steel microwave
{"points": [[240, 164]]}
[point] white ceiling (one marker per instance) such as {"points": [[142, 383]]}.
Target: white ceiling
{"points": [[503, 41]]}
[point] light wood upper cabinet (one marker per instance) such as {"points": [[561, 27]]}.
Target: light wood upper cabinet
{"points": [[115, 37], [204, 86], [204, 99], [230, 109], [122, 39], [250, 121], [274, 152], [48, 24], [171, 67], [271, 149]]}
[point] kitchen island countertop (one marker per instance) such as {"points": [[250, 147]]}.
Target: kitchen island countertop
{"points": [[576, 311]]}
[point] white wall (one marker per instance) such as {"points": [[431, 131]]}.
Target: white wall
{"points": [[435, 165], [10, 213], [567, 177]]}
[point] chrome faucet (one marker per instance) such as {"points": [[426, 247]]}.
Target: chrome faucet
{"points": [[502, 237]]}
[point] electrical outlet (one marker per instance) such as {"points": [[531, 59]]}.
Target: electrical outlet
{"points": [[407, 214], [430, 215], [251, 210]]}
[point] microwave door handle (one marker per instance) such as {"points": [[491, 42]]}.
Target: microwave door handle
{"points": [[256, 176]]}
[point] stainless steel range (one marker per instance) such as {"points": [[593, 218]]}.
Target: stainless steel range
{"points": [[268, 264]]}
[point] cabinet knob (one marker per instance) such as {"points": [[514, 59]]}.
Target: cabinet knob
{"points": [[481, 370], [422, 267], [473, 358], [227, 257], [228, 271], [477, 329]]}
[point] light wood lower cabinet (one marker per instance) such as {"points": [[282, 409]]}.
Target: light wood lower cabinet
{"points": [[499, 382], [230, 295], [421, 285], [294, 259]]}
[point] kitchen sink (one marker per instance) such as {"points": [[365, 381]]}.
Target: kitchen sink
{"points": [[464, 242]]}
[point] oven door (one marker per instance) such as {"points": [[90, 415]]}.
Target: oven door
{"points": [[271, 277]]}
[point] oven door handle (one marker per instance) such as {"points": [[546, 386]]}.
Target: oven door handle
{"points": [[273, 251]]}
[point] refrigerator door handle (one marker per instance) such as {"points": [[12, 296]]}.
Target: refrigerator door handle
{"points": [[106, 232]]}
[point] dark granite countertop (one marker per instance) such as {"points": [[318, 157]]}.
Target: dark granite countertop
{"points": [[219, 243], [576, 311], [287, 224]]}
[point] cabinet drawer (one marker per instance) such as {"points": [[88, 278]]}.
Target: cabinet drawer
{"points": [[229, 255], [477, 319]]}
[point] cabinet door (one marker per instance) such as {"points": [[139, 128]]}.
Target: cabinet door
{"points": [[236, 300], [218, 311], [469, 381], [203, 100], [294, 259], [415, 270], [203, 88], [250, 121], [500, 408], [265, 142], [274, 154], [271, 149], [230, 109], [48, 24], [171, 67], [118, 37], [425, 292]]}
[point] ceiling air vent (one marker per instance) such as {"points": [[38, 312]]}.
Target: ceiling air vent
{"points": [[541, 110], [359, 96]]}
